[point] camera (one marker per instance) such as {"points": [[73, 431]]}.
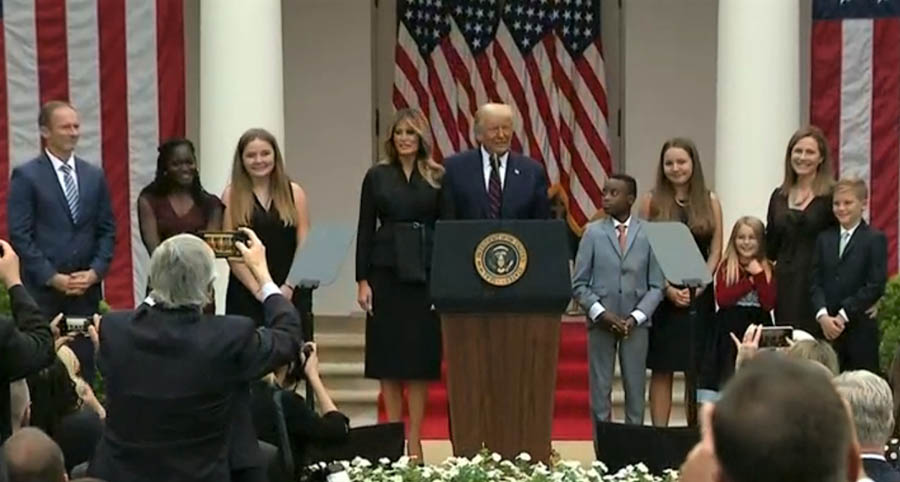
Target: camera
{"points": [[223, 242], [775, 336], [75, 325], [296, 372]]}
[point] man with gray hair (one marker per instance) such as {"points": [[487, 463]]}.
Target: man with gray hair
{"points": [[490, 181], [32, 456], [177, 380], [19, 404], [872, 406]]}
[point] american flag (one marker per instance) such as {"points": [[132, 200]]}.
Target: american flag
{"points": [[855, 99], [121, 64], [542, 57]]}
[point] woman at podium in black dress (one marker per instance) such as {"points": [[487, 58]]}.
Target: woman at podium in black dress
{"points": [[681, 195], [398, 208]]}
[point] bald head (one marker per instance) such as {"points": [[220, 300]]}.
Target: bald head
{"points": [[32, 456], [494, 127]]}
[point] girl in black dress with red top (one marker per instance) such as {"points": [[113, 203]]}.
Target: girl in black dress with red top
{"points": [[263, 198], [681, 195], [799, 210], [397, 211], [745, 291]]}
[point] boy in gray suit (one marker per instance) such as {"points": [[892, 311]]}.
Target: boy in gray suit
{"points": [[618, 283]]}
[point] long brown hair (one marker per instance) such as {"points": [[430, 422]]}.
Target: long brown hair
{"points": [[824, 181], [427, 167], [240, 200], [731, 263], [663, 206]]}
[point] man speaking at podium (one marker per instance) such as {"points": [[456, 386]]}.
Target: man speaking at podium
{"points": [[491, 182]]}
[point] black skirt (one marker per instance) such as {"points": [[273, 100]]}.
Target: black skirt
{"points": [[670, 340], [403, 336], [733, 319]]}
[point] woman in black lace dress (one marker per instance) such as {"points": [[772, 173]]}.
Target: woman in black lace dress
{"points": [[799, 210]]}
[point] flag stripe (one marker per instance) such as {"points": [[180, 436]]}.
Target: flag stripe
{"points": [[170, 67], [23, 101], [856, 99], [84, 75], [825, 82], [114, 116], [886, 133], [53, 75]]}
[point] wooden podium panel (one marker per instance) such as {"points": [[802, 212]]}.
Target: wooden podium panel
{"points": [[501, 380]]}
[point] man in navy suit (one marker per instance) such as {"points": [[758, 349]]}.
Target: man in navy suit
{"points": [[490, 182], [61, 224]]}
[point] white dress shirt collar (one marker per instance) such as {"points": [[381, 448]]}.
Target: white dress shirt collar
{"points": [[617, 223], [57, 162], [486, 167], [851, 230]]}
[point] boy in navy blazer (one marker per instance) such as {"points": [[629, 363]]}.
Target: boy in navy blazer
{"points": [[619, 284], [849, 274]]}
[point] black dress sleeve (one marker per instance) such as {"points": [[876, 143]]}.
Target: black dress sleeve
{"points": [[365, 229], [773, 231]]}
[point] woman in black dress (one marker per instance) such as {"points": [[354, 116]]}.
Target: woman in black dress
{"points": [[799, 210], [263, 198], [403, 338], [681, 195]]}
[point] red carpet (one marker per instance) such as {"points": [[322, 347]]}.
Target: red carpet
{"points": [[571, 409]]}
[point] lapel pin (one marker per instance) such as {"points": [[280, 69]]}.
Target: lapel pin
{"points": [[516, 171]]}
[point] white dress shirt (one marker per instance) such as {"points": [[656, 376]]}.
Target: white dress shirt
{"points": [[597, 308], [486, 166], [849, 233], [57, 168]]}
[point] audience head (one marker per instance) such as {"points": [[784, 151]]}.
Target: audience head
{"points": [[680, 182], [19, 404], [782, 420], [59, 125], [494, 127], [257, 159], [182, 271], [747, 243], [53, 396], [871, 405], [849, 200], [619, 192], [32, 456], [819, 351], [410, 135], [808, 154]]}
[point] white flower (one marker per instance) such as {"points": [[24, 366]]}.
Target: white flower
{"points": [[477, 459], [361, 462], [384, 461], [600, 466], [496, 457], [642, 468], [401, 463], [524, 457]]}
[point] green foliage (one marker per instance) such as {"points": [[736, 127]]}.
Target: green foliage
{"points": [[889, 322], [5, 309]]}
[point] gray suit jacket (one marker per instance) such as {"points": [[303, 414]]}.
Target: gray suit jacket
{"points": [[621, 282]]}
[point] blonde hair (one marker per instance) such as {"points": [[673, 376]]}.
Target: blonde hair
{"points": [[69, 360], [663, 207], [430, 170], [240, 198], [731, 263], [854, 185], [824, 181]]}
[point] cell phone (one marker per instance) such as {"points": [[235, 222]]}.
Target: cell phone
{"points": [[76, 325], [775, 336], [223, 242]]}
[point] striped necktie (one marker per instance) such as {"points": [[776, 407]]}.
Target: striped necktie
{"points": [[845, 239], [495, 191], [71, 190]]}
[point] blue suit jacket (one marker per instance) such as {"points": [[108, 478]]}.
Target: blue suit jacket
{"points": [[47, 239], [464, 196]]}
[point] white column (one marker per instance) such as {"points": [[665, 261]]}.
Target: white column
{"points": [[241, 86], [758, 101]]}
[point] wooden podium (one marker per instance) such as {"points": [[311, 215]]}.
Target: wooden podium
{"points": [[501, 287]]}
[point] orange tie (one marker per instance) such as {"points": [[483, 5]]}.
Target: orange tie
{"points": [[622, 236]]}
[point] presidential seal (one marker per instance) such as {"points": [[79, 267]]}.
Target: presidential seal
{"points": [[501, 259]]}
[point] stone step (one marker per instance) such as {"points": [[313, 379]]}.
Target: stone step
{"points": [[346, 376], [330, 324], [341, 347]]}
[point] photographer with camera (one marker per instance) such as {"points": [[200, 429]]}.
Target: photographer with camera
{"points": [[177, 380], [26, 344], [283, 418]]}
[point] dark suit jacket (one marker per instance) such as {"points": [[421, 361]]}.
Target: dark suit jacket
{"points": [[464, 196], [854, 281], [26, 346], [48, 241], [177, 388], [880, 471]]}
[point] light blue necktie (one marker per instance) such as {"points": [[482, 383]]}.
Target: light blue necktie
{"points": [[71, 190], [845, 238]]}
